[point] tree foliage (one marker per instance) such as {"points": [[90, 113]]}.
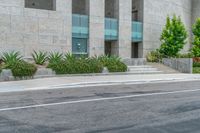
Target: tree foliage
{"points": [[173, 37], [196, 41]]}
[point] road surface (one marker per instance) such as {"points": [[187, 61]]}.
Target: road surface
{"points": [[148, 108]]}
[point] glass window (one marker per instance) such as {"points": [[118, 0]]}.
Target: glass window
{"points": [[79, 46], [41, 4]]}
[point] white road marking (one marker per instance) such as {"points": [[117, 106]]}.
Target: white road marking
{"points": [[96, 100]]}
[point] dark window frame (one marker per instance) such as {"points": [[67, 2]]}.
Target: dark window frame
{"points": [[36, 5]]}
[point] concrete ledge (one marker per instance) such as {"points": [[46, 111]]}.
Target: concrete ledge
{"points": [[6, 75], [184, 65], [135, 61], [44, 72], [39, 76]]}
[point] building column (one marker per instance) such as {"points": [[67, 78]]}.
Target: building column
{"points": [[125, 26], [96, 27], [64, 8]]}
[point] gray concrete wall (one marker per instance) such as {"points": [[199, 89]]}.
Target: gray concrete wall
{"points": [[26, 29], [155, 13], [195, 10], [184, 65], [123, 46], [96, 24]]}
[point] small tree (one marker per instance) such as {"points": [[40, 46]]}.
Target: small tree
{"points": [[173, 37], [196, 41]]}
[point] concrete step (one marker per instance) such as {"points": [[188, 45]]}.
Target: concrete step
{"points": [[142, 66], [145, 72], [143, 69]]}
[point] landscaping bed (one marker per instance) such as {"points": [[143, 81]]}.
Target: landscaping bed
{"points": [[196, 65], [196, 70], [52, 64]]}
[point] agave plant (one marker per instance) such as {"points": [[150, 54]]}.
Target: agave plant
{"points": [[113, 63], [104, 59], [55, 57], [39, 57], [11, 57], [1, 61], [69, 57]]}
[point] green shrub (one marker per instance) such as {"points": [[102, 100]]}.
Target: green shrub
{"points": [[113, 63], [0, 69], [188, 55], [196, 70], [173, 37], [69, 57], [72, 65], [55, 57], [11, 57], [39, 57], [154, 56], [196, 42], [1, 61], [22, 69], [196, 62], [95, 65], [1, 65]]}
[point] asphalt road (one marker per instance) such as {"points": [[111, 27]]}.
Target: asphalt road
{"points": [[148, 108]]}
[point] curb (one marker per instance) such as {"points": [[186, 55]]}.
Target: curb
{"points": [[100, 83], [109, 83]]}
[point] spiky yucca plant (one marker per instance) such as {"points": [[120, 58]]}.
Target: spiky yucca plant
{"points": [[39, 57], [55, 57], [11, 57]]}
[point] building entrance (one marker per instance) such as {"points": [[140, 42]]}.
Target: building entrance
{"points": [[135, 49]]}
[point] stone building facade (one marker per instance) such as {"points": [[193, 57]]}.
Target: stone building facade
{"points": [[127, 28]]}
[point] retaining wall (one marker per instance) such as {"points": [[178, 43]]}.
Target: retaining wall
{"points": [[184, 65]]}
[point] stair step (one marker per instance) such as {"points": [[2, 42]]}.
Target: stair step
{"points": [[144, 66], [143, 69], [146, 72]]}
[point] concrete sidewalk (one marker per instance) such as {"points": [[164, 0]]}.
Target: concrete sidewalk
{"points": [[83, 81]]}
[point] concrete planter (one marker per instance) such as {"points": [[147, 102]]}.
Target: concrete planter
{"points": [[105, 70], [184, 65], [44, 72], [6, 74]]}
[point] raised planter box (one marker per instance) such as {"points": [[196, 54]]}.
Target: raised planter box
{"points": [[184, 65], [44, 72], [6, 74]]}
